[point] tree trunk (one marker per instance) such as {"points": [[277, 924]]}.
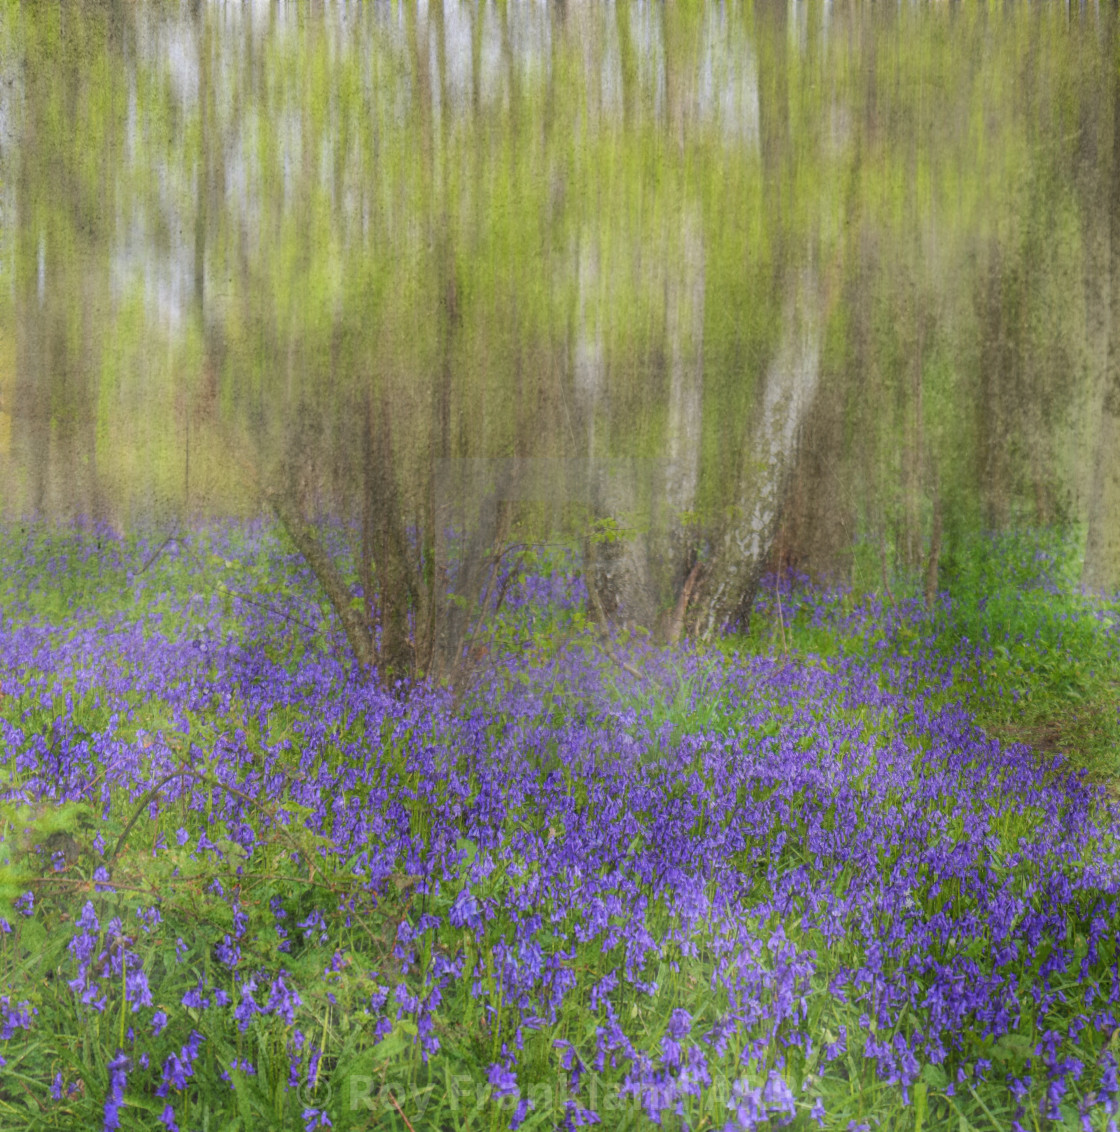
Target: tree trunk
{"points": [[1101, 570], [741, 549], [285, 505], [389, 559], [609, 493], [673, 545]]}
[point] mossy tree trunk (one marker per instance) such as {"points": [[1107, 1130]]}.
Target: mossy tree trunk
{"points": [[1102, 552]]}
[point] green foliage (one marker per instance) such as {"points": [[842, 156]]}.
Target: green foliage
{"points": [[1047, 669], [554, 218], [1035, 658]]}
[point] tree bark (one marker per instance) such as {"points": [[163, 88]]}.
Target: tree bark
{"points": [[731, 578], [1101, 571], [389, 560], [285, 506]]}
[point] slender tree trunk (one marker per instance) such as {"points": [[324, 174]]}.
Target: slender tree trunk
{"points": [[627, 63], [31, 416], [1094, 182], [915, 457], [996, 376], [1102, 551], [390, 557], [933, 557], [673, 550], [588, 354], [768, 459]]}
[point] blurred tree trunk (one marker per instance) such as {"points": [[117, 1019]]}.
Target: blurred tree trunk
{"points": [[1102, 551], [201, 409], [602, 565], [997, 308], [673, 578], [638, 563], [435, 643], [675, 533], [62, 257], [1097, 286], [740, 551], [428, 550], [31, 399], [724, 589], [386, 571]]}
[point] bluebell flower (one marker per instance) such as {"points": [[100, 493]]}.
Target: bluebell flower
{"points": [[283, 1000], [114, 1098], [503, 1082], [137, 989], [464, 910]]}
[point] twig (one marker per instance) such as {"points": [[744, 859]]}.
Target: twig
{"points": [[466, 648], [408, 1122], [201, 775], [469, 645], [144, 802], [158, 551], [206, 776], [628, 668], [307, 541], [267, 606], [84, 885]]}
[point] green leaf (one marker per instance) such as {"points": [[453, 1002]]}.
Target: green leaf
{"points": [[399, 1039], [921, 1090], [13, 884], [136, 1099], [244, 1094], [1012, 1048]]}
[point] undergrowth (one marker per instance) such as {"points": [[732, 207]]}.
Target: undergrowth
{"points": [[794, 879]]}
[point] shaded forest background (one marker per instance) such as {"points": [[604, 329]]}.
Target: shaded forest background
{"points": [[705, 289]]}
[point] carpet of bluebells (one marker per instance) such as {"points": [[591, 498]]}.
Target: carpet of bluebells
{"points": [[243, 889]]}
